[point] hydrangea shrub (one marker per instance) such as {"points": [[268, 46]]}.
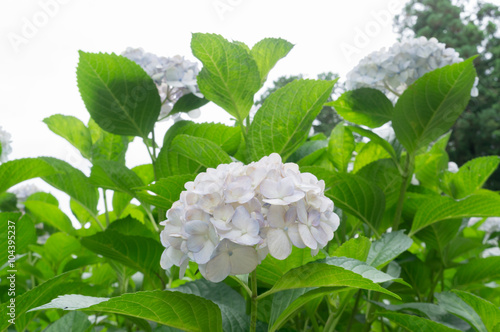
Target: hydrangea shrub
{"points": [[256, 225]]}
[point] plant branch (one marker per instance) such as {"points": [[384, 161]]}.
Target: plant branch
{"points": [[407, 172], [254, 301]]}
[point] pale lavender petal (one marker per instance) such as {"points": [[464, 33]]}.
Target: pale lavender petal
{"points": [[294, 235], [306, 236], [269, 188], [243, 260], [278, 244], [196, 227], [241, 217], [218, 268], [276, 216]]}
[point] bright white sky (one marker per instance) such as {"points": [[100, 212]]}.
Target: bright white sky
{"points": [[39, 43]]}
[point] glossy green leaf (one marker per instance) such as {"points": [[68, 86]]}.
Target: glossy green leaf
{"points": [[357, 248], [60, 246], [120, 202], [271, 269], [282, 124], [229, 77], [365, 106], [18, 170], [324, 275], [187, 103], [71, 302], [487, 311], [415, 323], [131, 226], [51, 215], [386, 176], [471, 176], [166, 191], [138, 252], [267, 53], [388, 247], [376, 139], [200, 150], [439, 234], [340, 147], [37, 296], [231, 304], [478, 271], [429, 107], [118, 93], [183, 311], [458, 307], [369, 153], [73, 130], [115, 176], [107, 146], [444, 208]]}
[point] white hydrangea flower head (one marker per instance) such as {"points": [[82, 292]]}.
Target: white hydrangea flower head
{"points": [[229, 218], [394, 69], [5, 144], [174, 77]]}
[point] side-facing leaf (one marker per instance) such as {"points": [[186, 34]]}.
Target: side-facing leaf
{"points": [[388, 247], [267, 53], [324, 275], [229, 76], [113, 175], [18, 170], [444, 208], [51, 215], [166, 191], [200, 150], [429, 107], [73, 130], [415, 323], [187, 103], [118, 93], [471, 176], [340, 147], [365, 106], [478, 271], [458, 307], [369, 153], [357, 248], [107, 146], [489, 313], [282, 123], [376, 139]]}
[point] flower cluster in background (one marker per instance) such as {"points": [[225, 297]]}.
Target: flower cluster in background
{"points": [[393, 70], [231, 217], [173, 76], [5, 147]]}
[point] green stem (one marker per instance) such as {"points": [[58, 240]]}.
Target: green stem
{"points": [[150, 216], [254, 301], [354, 310], [407, 172], [105, 207], [243, 285]]}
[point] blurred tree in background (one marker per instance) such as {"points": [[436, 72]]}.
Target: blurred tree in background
{"points": [[470, 28], [327, 118]]}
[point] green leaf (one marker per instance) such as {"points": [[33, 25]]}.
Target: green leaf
{"points": [[74, 321], [429, 107], [356, 196], [115, 176], [71, 302], [471, 176], [271, 269], [166, 190], [340, 147], [16, 171], [324, 275], [37, 296], [107, 146], [138, 252], [356, 248], [200, 150], [415, 323], [365, 106], [458, 307], [439, 234], [282, 123], [386, 176], [51, 215], [388, 247], [170, 162], [229, 76], [444, 208], [73, 130], [118, 93], [183, 311], [60, 246], [187, 103], [132, 227], [8, 202], [489, 313], [478, 271], [369, 153], [231, 303], [376, 139], [120, 202], [267, 53]]}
